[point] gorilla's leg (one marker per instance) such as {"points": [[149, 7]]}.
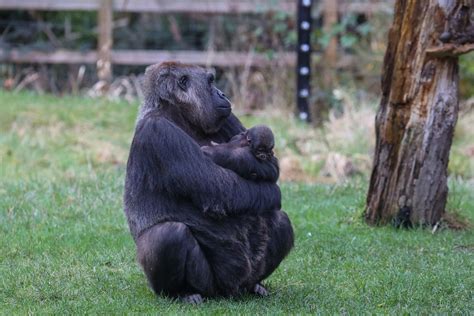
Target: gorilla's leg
{"points": [[279, 244], [173, 261]]}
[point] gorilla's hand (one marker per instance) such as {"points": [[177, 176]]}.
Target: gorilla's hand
{"points": [[267, 169]]}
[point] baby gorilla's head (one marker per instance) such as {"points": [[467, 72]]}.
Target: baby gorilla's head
{"points": [[261, 141]]}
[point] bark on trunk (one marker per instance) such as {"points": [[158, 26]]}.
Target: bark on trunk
{"points": [[418, 111]]}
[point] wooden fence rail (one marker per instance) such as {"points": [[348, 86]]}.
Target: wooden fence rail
{"points": [[105, 56], [189, 6], [153, 6], [147, 57]]}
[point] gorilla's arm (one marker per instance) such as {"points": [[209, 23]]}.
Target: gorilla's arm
{"points": [[243, 162], [231, 127], [267, 170], [174, 163]]}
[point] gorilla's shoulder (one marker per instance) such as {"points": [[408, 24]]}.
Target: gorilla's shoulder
{"points": [[152, 120], [155, 124], [160, 132]]}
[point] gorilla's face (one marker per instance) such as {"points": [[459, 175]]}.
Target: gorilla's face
{"points": [[190, 90]]}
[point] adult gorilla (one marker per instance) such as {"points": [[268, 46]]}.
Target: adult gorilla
{"points": [[200, 229]]}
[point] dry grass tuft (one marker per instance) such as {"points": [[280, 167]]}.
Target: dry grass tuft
{"points": [[455, 221]]}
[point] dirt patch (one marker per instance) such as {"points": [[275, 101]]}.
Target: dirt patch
{"points": [[291, 170], [455, 221]]}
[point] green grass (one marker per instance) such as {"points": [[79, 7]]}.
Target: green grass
{"points": [[65, 246]]}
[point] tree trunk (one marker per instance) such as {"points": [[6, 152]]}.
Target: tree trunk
{"points": [[418, 111]]}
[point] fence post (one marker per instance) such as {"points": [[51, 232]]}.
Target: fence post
{"points": [[104, 43], [303, 65], [330, 17]]}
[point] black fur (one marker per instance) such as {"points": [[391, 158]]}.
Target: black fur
{"points": [[261, 141], [199, 228], [402, 220], [236, 154]]}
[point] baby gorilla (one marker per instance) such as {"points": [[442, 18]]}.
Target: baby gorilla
{"points": [[261, 141], [257, 141]]}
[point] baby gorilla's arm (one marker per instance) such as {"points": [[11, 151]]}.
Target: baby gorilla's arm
{"points": [[242, 161]]}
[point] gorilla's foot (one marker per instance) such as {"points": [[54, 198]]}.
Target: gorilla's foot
{"points": [[193, 299], [260, 290]]}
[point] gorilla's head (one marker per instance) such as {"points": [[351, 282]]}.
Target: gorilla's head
{"points": [[187, 91]]}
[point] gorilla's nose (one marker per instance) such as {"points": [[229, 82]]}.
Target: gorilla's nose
{"points": [[221, 94]]}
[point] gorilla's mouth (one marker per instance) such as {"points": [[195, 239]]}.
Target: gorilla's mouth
{"points": [[214, 125], [224, 111]]}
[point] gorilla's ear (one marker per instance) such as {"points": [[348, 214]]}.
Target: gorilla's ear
{"points": [[158, 85], [166, 88]]}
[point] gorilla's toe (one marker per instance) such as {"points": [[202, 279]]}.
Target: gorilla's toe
{"points": [[260, 290], [193, 299]]}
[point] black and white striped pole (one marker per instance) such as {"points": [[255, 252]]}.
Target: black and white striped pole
{"points": [[303, 65]]}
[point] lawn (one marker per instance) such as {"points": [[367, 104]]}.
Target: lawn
{"points": [[65, 246]]}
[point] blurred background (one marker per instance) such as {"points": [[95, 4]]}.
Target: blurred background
{"points": [[96, 51]]}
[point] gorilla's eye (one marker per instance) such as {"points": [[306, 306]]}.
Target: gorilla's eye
{"points": [[183, 82], [249, 140], [210, 78]]}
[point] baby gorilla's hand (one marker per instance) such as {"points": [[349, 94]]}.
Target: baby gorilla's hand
{"points": [[207, 150]]}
